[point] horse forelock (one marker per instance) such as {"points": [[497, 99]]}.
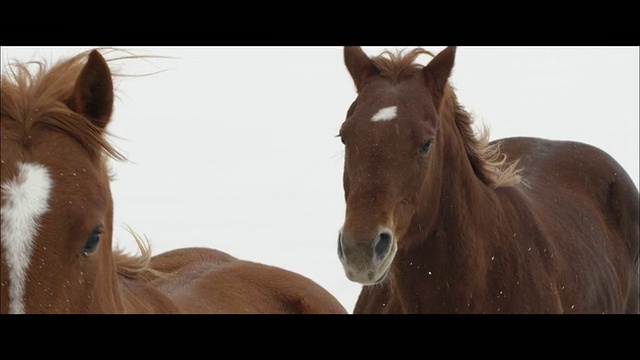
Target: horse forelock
{"points": [[486, 157], [396, 65]]}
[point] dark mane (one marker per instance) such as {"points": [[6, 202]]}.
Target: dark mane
{"points": [[39, 98], [488, 161]]}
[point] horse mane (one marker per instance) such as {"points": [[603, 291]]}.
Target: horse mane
{"points": [[136, 266], [486, 158]]}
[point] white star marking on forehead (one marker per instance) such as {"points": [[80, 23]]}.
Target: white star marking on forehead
{"points": [[385, 114]]}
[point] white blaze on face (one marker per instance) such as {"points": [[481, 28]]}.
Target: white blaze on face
{"points": [[24, 200], [385, 114]]}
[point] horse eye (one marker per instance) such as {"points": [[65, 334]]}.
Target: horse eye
{"points": [[91, 244], [425, 147]]}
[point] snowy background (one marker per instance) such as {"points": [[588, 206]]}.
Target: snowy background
{"points": [[234, 147]]}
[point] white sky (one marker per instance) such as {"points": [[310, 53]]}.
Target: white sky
{"points": [[234, 148]]}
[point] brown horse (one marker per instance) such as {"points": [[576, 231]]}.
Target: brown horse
{"points": [[440, 220], [57, 215]]}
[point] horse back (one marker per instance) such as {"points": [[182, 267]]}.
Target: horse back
{"points": [[583, 200], [585, 172], [202, 280]]}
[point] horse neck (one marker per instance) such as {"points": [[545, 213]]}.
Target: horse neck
{"points": [[122, 295], [134, 293], [137, 296], [452, 181], [118, 293], [109, 296], [442, 254], [456, 204]]}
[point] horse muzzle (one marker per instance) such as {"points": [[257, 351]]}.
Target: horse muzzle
{"points": [[367, 261]]}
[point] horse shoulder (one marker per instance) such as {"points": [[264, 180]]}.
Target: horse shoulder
{"points": [[555, 170]]}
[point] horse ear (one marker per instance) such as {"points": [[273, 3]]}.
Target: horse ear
{"points": [[93, 92], [437, 72], [359, 65]]}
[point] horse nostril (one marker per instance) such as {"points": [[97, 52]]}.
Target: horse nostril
{"points": [[340, 251], [382, 246]]}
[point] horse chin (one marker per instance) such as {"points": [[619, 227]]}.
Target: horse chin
{"points": [[369, 280], [382, 277]]}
